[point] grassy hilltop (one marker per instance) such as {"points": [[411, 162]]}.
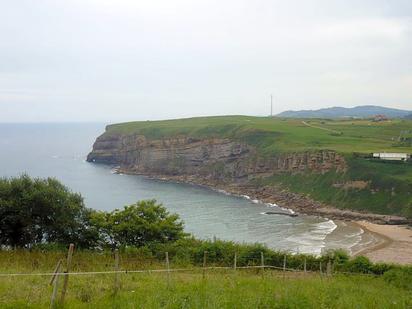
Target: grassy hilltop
{"points": [[273, 135], [389, 184]]}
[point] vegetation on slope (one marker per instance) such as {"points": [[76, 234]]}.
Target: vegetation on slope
{"points": [[388, 186]]}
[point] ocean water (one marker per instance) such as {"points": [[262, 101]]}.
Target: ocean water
{"points": [[59, 150]]}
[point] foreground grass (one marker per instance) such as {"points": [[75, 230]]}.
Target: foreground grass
{"points": [[222, 289], [219, 288]]}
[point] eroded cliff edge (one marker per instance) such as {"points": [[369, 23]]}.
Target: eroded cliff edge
{"points": [[222, 163], [210, 158]]}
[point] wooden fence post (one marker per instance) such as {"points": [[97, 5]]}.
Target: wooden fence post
{"points": [[168, 268], [204, 264], [262, 263], [235, 262], [328, 268], [55, 272], [66, 275], [304, 265], [55, 281], [284, 263], [320, 267], [116, 274]]}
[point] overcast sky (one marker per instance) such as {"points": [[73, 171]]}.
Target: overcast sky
{"points": [[118, 60]]}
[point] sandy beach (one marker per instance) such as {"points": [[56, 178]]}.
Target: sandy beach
{"points": [[395, 245]]}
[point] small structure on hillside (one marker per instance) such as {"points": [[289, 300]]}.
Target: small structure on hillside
{"points": [[392, 156], [378, 118]]}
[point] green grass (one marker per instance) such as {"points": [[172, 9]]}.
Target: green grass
{"points": [[219, 289], [273, 135]]}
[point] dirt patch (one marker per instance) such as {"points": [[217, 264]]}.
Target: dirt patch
{"points": [[355, 184]]}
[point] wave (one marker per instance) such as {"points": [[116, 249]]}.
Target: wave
{"points": [[115, 170], [223, 192], [359, 238], [256, 201], [313, 240], [327, 225], [361, 231]]}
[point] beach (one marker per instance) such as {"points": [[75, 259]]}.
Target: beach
{"points": [[394, 245]]}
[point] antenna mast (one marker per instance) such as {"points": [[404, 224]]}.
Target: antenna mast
{"points": [[271, 105]]}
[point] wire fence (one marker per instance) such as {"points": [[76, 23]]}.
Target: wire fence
{"points": [[325, 269], [130, 271]]}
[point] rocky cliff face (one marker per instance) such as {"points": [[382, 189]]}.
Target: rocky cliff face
{"points": [[212, 158]]}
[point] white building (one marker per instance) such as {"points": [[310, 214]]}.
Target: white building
{"points": [[395, 156]]}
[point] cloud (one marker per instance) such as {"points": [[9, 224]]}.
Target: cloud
{"points": [[116, 60]]}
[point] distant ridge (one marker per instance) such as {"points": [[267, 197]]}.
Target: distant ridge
{"points": [[339, 112]]}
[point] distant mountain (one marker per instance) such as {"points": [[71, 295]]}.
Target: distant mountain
{"points": [[339, 112], [409, 116]]}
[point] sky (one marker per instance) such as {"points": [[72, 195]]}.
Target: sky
{"points": [[122, 60]]}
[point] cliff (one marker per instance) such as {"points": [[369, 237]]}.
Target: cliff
{"points": [[210, 158]]}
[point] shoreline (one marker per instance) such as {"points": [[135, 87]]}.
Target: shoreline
{"points": [[283, 198], [385, 240], [395, 245]]}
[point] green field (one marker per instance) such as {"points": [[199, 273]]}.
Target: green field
{"points": [[189, 289], [273, 135]]}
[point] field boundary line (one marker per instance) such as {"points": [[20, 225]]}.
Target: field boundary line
{"points": [[321, 128]]}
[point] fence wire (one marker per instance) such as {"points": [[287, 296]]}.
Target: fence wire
{"points": [[163, 270]]}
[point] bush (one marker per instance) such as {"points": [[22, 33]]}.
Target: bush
{"points": [[400, 277], [381, 268], [37, 211], [359, 264], [138, 225]]}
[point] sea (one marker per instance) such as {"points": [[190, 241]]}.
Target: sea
{"points": [[59, 150]]}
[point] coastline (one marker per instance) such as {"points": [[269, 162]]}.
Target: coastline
{"points": [[395, 244], [385, 231], [280, 196]]}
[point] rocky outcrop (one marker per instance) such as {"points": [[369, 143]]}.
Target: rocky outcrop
{"points": [[210, 158]]}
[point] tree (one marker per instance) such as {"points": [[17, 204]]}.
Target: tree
{"points": [[140, 224], [35, 211]]}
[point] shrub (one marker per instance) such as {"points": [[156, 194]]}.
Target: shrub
{"points": [[139, 224], [400, 277], [381, 268], [359, 264], [37, 211]]}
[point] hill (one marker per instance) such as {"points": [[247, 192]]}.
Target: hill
{"points": [[342, 112], [326, 161], [274, 135]]}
